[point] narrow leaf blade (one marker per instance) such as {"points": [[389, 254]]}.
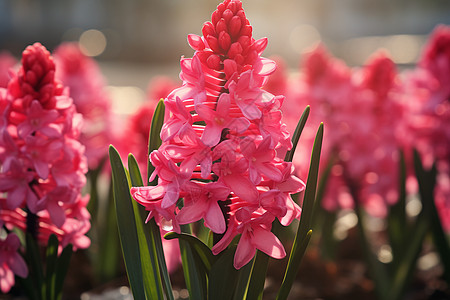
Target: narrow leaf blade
{"points": [[154, 140], [305, 220], [149, 260], [297, 133], [126, 225]]}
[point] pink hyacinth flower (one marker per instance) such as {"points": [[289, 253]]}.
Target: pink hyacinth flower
{"points": [[11, 262], [222, 140]]}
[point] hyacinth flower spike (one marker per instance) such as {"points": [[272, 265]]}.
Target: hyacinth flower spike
{"points": [[42, 173], [220, 156], [222, 93]]}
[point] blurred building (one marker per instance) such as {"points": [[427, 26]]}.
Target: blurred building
{"points": [[154, 31]]}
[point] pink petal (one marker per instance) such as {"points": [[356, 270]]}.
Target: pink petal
{"points": [[41, 169], [16, 196], [205, 112], [56, 213], [268, 243], [250, 111], [6, 279], [206, 165], [239, 125], [242, 187], [18, 265], [270, 171], [223, 104], [171, 196], [214, 219], [192, 213], [244, 252], [211, 135], [82, 242]]}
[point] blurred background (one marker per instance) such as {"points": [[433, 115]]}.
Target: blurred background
{"points": [[136, 39]]}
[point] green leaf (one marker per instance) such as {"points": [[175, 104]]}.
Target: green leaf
{"points": [[126, 225], [135, 173], [223, 277], [258, 276], [397, 225], [50, 260], [109, 254], [154, 140], [152, 236], [194, 273], [243, 281], [62, 266], [149, 260], [376, 268], [36, 268], [304, 228], [204, 253], [297, 133], [92, 177], [440, 240]]}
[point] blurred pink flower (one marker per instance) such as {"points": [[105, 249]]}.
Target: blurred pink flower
{"points": [[83, 77], [43, 164], [362, 109], [11, 263], [426, 94], [220, 121]]}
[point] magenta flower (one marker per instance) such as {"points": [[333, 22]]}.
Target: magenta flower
{"points": [[222, 127], [426, 94], [362, 106], [11, 263], [43, 164], [87, 89]]}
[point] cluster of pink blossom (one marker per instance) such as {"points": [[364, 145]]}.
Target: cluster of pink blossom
{"points": [[87, 88], [426, 98], [43, 164], [371, 112], [222, 142]]}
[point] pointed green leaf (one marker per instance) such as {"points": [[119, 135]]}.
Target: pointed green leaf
{"points": [[223, 277], [50, 260], [62, 266], [427, 182], [194, 273], [258, 276], [304, 227], [243, 281], [204, 253], [376, 269], [126, 225], [397, 225], [297, 133], [405, 267], [154, 140], [152, 254], [440, 240], [109, 254], [149, 260], [36, 268]]}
